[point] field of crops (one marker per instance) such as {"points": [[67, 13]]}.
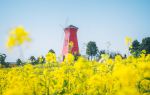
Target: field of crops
{"points": [[117, 76]]}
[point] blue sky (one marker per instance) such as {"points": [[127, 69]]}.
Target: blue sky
{"points": [[98, 20]]}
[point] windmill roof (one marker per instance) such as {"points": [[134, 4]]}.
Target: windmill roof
{"points": [[71, 26]]}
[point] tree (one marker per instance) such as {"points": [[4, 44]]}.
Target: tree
{"points": [[2, 60], [41, 60], [99, 53], [52, 51], [114, 54], [145, 45], [19, 62], [33, 60], [135, 48], [91, 49]]}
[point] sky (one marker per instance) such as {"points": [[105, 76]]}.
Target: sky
{"points": [[101, 21]]}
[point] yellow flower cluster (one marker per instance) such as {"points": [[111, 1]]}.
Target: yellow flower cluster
{"points": [[71, 44], [50, 57], [40, 59], [17, 37], [69, 58], [128, 40], [117, 76]]}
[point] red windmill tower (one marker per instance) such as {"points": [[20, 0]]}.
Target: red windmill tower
{"points": [[70, 39]]}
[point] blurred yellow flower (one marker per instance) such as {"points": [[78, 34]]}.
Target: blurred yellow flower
{"points": [[17, 36], [128, 40], [117, 76], [50, 57], [71, 44], [11, 42], [69, 58]]}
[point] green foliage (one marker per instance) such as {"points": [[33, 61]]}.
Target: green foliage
{"points": [[38, 60], [145, 45], [99, 53], [76, 56], [137, 47], [2, 60], [19, 62], [33, 60], [52, 51], [114, 54], [111, 54], [91, 49], [41, 60]]}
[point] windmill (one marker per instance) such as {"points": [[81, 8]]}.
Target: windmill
{"points": [[70, 37]]}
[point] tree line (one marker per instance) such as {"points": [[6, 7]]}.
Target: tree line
{"points": [[135, 49]]}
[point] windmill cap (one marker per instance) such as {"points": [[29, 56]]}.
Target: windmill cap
{"points": [[71, 26]]}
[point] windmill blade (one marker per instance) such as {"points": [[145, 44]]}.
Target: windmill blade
{"points": [[62, 36], [66, 22], [61, 26]]}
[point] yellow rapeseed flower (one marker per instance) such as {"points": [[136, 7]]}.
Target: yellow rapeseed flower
{"points": [[113, 77], [50, 57], [128, 40], [17, 36], [69, 58]]}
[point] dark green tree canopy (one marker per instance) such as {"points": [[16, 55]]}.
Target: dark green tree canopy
{"points": [[145, 45], [33, 60], [2, 60], [91, 49], [19, 62], [52, 51], [137, 47], [41, 60]]}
